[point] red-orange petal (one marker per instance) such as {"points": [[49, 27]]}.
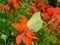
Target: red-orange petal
{"points": [[26, 40], [29, 33], [15, 25], [14, 3], [46, 16], [23, 24], [33, 9], [24, 20], [21, 28], [34, 38], [18, 39], [58, 19]]}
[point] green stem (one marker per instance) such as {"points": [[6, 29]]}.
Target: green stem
{"points": [[57, 3], [53, 28], [57, 34]]}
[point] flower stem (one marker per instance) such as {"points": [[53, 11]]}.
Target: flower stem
{"points": [[57, 3]]}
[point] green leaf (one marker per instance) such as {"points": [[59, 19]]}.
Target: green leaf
{"points": [[4, 2], [53, 28], [35, 23], [52, 38], [34, 43]]}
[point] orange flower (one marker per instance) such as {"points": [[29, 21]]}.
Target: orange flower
{"points": [[49, 11], [33, 9], [21, 31], [20, 27], [23, 20], [15, 3], [26, 40], [7, 7], [1, 6], [54, 16], [56, 10], [39, 1], [45, 7], [53, 11], [23, 38], [18, 39], [58, 20], [31, 35], [46, 16], [15, 25]]}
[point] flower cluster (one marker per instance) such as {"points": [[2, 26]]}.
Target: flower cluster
{"points": [[48, 13], [21, 16], [22, 30]]}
